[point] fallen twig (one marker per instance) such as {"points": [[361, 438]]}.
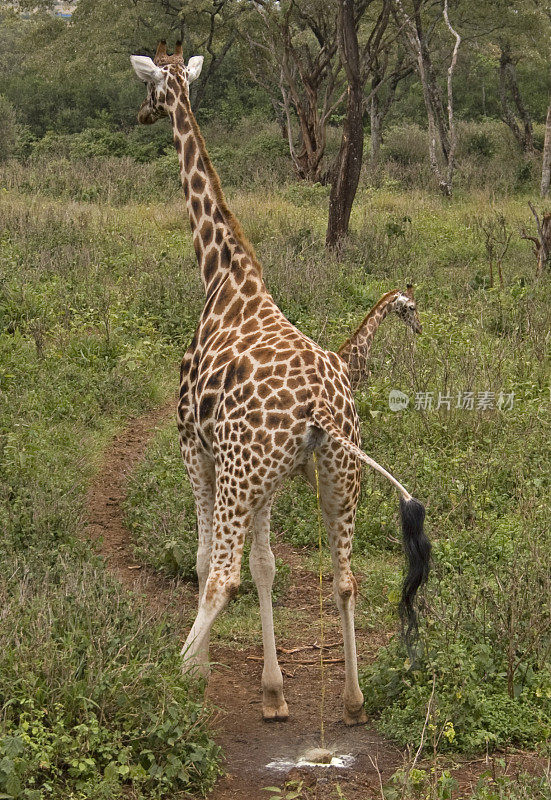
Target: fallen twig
{"points": [[301, 661], [314, 646]]}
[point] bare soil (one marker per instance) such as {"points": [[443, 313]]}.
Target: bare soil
{"points": [[249, 744]]}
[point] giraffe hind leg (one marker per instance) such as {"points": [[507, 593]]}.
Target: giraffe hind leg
{"points": [[200, 469], [230, 525], [262, 563], [339, 491]]}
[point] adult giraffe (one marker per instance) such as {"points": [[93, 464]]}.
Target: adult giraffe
{"points": [[357, 348], [257, 397]]}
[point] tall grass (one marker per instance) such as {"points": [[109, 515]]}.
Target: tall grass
{"points": [[99, 296], [483, 471], [92, 697]]}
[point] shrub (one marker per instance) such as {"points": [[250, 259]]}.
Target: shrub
{"points": [[252, 152], [480, 644], [101, 141], [480, 144], [102, 714], [93, 700], [8, 128], [405, 144]]}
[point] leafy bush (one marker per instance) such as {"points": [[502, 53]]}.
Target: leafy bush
{"points": [[102, 141], [492, 683], [93, 701], [254, 152], [108, 715], [523, 786], [480, 144], [8, 128], [405, 144]]}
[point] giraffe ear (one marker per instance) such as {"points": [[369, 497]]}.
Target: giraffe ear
{"points": [[194, 67], [146, 70]]}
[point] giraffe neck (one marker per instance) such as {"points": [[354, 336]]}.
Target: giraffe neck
{"points": [[357, 348], [219, 241]]}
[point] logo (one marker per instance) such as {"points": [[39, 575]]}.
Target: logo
{"points": [[397, 400]]}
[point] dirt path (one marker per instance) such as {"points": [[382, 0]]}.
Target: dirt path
{"points": [[234, 687]]}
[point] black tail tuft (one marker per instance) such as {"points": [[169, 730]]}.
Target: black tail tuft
{"points": [[417, 549]]}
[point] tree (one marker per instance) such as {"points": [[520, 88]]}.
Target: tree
{"points": [[546, 161], [542, 243], [514, 35], [381, 101], [294, 58], [441, 133], [357, 60], [508, 86]]}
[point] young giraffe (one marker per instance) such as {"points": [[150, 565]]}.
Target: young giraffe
{"points": [[257, 397], [357, 348]]}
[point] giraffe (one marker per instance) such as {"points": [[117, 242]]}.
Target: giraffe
{"points": [[257, 398], [357, 348]]}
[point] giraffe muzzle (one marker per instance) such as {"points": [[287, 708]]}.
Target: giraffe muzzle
{"points": [[146, 116]]}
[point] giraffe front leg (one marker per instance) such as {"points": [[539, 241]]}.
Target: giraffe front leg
{"points": [[262, 563]]}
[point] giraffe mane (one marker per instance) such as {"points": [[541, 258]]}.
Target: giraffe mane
{"points": [[229, 217], [381, 301]]}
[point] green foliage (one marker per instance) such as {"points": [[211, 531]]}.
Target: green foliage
{"points": [[406, 144], [420, 784], [426, 782], [99, 722], [480, 144], [101, 141], [8, 128], [94, 702], [252, 152], [492, 684], [160, 508], [292, 790], [523, 786]]}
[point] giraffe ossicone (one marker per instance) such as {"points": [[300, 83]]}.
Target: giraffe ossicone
{"points": [[257, 397]]}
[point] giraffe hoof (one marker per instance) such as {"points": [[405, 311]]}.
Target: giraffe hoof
{"points": [[279, 713], [358, 717]]}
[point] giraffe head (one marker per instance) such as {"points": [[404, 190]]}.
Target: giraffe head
{"points": [[406, 308], [164, 75]]}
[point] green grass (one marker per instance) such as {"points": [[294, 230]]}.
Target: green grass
{"points": [[92, 697], [482, 473], [99, 296]]}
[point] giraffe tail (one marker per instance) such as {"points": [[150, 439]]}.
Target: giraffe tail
{"points": [[417, 546]]}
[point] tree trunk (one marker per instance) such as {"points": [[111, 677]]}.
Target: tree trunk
{"points": [[376, 135], [508, 81], [545, 249], [379, 108], [308, 161], [346, 174], [442, 137], [546, 166], [542, 243]]}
